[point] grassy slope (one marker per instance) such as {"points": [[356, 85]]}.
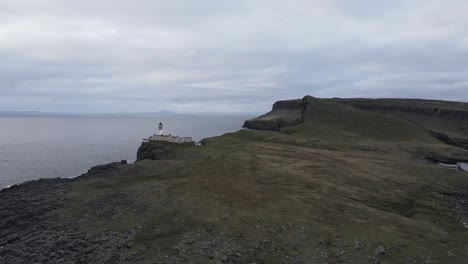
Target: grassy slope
{"points": [[423, 103], [304, 194]]}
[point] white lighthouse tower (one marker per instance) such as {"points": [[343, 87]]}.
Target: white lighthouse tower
{"points": [[168, 138], [160, 129]]}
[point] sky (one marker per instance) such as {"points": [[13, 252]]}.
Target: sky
{"points": [[211, 56]]}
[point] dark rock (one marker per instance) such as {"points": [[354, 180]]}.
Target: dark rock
{"points": [[380, 250], [156, 150], [288, 104], [428, 260], [357, 244], [103, 168], [265, 122], [447, 140], [188, 241], [270, 125], [434, 158], [458, 199], [31, 232]]}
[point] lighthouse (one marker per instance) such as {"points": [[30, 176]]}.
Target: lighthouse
{"points": [[160, 129], [168, 138]]}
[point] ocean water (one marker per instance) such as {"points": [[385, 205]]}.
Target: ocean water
{"points": [[463, 166], [38, 146]]}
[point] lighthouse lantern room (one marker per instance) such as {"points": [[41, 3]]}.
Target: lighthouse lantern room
{"points": [[160, 129]]}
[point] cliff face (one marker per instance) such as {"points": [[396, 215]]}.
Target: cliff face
{"points": [[284, 113], [294, 112], [155, 150], [161, 150], [288, 105], [270, 125], [434, 108]]}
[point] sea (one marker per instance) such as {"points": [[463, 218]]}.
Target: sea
{"points": [[50, 146]]}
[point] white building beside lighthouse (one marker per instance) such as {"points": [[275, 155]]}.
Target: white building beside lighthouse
{"points": [[169, 138]]}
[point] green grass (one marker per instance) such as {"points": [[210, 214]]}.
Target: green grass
{"points": [[306, 193]]}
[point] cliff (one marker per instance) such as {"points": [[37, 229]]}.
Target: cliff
{"points": [[284, 113], [155, 150], [162, 150], [295, 112], [432, 108]]}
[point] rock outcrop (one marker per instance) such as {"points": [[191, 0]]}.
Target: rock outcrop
{"points": [[294, 112], [270, 125], [100, 169], [283, 114], [461, 143], [435, 158], [31, 231], [434, 108], [158, 150]]}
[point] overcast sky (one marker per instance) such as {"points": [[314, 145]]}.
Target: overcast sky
{"points": [[226, 56]]}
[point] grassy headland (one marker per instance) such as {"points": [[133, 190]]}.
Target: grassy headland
{"points": [[325, 181]]}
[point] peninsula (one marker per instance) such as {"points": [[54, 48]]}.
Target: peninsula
{"points": [[313, 181]]}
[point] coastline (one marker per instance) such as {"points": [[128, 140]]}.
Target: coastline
{"points": [[129, 162], [250, 196], [31, 212], [68, 146], [32, 232]]}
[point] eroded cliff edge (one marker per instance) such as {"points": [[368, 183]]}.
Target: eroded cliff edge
{"points": [[293, 112]]}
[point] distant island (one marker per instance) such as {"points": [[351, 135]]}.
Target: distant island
{"points": [[156, 113], [163, 112], [315, 180]]}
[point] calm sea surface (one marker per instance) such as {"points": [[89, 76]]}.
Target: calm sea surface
{"points": [[33, 147]]}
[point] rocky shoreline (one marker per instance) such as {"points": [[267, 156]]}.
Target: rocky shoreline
{"points": [[32, 232]]}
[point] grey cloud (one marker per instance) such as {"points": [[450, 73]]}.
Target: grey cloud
{"points": [[235, 56]]}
